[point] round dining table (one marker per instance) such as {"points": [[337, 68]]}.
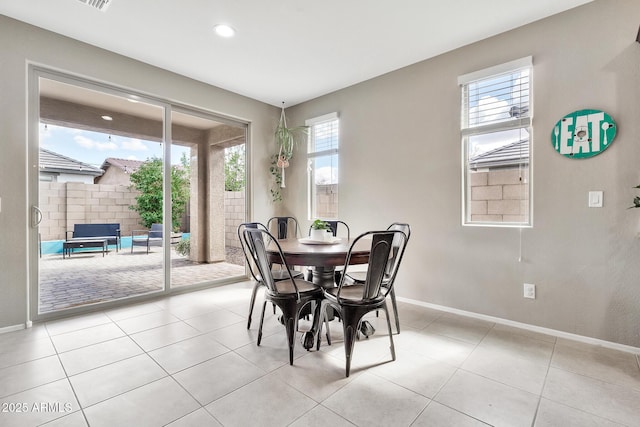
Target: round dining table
{"points": [[324, 257]]}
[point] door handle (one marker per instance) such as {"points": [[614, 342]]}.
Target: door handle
{"points": [[37, 216]]}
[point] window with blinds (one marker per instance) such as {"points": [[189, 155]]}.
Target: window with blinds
{"points": [[496, 144], [322, 161]]}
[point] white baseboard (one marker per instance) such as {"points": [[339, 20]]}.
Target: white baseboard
{"points": [[14, 328], [526, 326]]}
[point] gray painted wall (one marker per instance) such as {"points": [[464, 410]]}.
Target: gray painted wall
{"points": [[400, 160], [21, 44]]}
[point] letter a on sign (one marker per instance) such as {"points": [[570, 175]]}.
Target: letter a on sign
{"points": [[583, 134]]}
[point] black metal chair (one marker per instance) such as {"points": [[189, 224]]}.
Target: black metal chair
{"points": [[358, 277], [283, 225], [352, 302], [278, 274], [290, 295]]}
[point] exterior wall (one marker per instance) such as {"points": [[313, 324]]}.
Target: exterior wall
{"points": [[66, 177], [498, 195], [66, 204], [234, 208], [115, 176]]}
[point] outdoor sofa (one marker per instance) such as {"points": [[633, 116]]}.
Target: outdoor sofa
{"points": [[108, 232]]}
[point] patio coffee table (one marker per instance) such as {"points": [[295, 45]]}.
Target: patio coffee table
{"points": [[68, 245]]}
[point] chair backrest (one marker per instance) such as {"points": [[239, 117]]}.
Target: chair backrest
{"points": [[245, 250], [379, 257], [399, 245], [257, 241], [156, 231], [333, 225], [283, 226]]}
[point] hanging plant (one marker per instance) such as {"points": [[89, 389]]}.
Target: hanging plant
{"points": [[276, 194], [636, 200], [286, 140]]}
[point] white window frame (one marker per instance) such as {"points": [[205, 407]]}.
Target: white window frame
{"points": [[311, 155], [468, 130]]}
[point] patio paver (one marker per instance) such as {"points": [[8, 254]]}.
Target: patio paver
{"points": [[88, 278]]}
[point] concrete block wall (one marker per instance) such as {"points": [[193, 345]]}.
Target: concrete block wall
{"points": [[69, 203], [327, 201], [234, 208], [499, 195]]}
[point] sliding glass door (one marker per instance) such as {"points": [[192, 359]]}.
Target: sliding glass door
{"points": [[118, 212]]}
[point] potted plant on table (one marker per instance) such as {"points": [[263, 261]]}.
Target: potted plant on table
{"points": [[319, 230]]}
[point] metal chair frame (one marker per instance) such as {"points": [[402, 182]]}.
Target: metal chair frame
{"points": [[397, 254], [290, 295], [279, 274], [353, 301], [282, 224]]}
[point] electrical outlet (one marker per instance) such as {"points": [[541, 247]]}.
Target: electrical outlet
{"points": [[530, 290]]}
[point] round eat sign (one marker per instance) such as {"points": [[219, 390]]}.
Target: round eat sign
{"points": [[583, 134]]}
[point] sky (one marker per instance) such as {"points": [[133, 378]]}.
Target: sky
{"points": [[93, 147]]}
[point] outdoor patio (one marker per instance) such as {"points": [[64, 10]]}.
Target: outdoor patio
{"points": [[87, 278]]}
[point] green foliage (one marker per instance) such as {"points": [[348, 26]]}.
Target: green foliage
{"points": [[636, 200], [234, 168], [276, 194], [183, 247], [148, 181], [286, 139], [319, 224]]}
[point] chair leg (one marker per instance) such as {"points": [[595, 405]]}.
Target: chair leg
{"points": [[289, 314], [326, 323], [252, 303], [264, 306], [393, 349], [395, 309], [350, 321]]}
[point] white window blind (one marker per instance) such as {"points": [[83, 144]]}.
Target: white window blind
{"points": [[497, 100], [324, 134]]}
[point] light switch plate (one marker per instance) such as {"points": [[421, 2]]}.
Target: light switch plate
{"points": [[595, 199]]}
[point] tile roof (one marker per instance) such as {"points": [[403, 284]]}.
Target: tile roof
{"points": [[126, 165], [54, 162], [507, 155]]}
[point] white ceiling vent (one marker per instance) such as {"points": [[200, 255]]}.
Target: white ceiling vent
{"points": [[101, 5]]}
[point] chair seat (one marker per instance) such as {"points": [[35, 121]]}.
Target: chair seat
{"points": [[352, 293], [286, 287], [361, 276]]}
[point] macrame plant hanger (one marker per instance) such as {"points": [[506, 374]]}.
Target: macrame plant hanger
{"points": [[283, 162]]}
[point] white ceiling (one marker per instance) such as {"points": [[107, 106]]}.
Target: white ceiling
{"points": [[284, 50]]}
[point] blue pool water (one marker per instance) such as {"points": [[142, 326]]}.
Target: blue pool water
{"points": [[55, 246]]}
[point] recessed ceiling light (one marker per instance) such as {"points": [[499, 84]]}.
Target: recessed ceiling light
{"points": [[223, 30], [107, 118]]}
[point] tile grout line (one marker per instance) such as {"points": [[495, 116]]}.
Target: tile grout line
{"points": [[73, 390]]}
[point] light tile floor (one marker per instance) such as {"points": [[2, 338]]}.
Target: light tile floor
{"points": [[188, 360]]}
